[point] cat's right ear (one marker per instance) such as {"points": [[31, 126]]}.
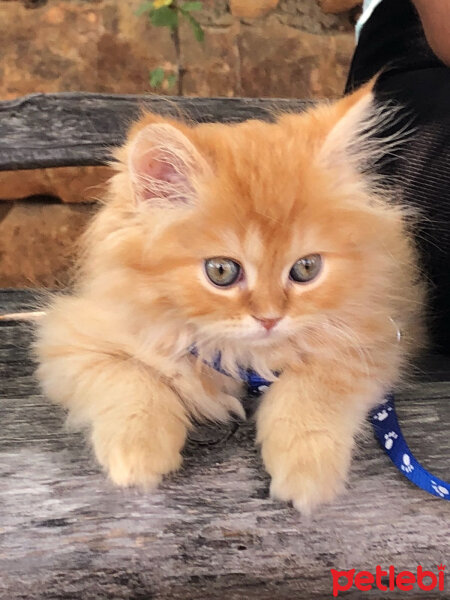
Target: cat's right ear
{"points": [[164, 166]]}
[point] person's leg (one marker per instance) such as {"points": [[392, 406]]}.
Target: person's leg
{"points": [[412, 77]]}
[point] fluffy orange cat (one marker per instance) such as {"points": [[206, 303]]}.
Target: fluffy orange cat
{"points": [[270, 243]]}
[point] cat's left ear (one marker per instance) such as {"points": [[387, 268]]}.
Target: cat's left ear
{"points": [[352, 123], [164, 166]]}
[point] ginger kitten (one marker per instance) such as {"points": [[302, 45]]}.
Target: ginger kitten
{"points": [[269, 243]]}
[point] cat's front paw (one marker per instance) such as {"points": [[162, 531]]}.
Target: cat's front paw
{"points": [[308, 470], [135, 456]]}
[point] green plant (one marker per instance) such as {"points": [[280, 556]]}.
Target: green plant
{"points": [[169, 13]]}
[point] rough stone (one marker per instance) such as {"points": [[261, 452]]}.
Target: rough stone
{"points": [[295, 64], [68, 184], [252, 9], [215, 13], [37, 242], [338, 6], [212, 68], [74, 45], [307, 16]]}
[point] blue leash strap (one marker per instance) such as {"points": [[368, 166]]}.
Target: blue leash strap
{"points": [[388, 432], [386, 428], [255, 383]]}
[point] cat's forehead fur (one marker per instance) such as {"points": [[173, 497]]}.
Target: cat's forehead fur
{"points": [[270, 171]]}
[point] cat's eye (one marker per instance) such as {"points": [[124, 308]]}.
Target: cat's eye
{"points": [[306, 269], [222, 271]]}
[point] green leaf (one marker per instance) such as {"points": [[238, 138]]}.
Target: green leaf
{"points": [[156, 77], [171, 80], [191, 6], [143, 8], [199, 34], [164, 17]]}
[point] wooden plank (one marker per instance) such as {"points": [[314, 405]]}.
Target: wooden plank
{"points": [[210, 531], [20, 300], [70, 129]]}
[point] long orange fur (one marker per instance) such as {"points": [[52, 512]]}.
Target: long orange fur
{"points": [[115, 352]]}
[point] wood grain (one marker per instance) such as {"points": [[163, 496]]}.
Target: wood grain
{"points": [[77, 129], [210, 532]]}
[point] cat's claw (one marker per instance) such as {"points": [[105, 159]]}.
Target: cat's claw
{"points": [[137, 468], [306, 494], [127, 478], [232, 406]]}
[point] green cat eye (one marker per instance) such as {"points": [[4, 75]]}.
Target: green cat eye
{"points": [[222, 271], [306, 269]]}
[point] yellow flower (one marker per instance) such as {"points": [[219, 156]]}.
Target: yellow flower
{"points": [[161, 3]]}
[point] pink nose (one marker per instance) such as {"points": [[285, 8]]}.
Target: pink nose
{"points": [[268, 323]]}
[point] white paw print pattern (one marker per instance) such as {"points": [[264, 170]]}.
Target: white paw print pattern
{"points": [[440, 489], [407, 466], [383, 414], [389, 439]]}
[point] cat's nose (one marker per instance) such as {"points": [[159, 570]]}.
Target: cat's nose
{"points": [[268, 323]]}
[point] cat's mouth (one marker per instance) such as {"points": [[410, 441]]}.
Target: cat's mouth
{"points": [[264, 336]]}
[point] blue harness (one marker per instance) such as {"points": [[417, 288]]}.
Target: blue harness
{"points": [[386, 428]]}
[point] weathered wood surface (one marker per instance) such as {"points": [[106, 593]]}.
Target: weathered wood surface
{"points": [[74, 129], [210, 532]]}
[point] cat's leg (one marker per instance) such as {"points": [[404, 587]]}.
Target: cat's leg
{"points": [[306, 427], [139, 427], [137, 422]]}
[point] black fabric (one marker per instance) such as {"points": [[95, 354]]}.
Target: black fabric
{"points": [[412, 76], [392, 40]]}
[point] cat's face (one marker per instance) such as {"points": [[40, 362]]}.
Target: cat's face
{"points": [[257, 233]]}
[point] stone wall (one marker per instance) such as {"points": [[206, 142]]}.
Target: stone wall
{"points": [[285, 48], [270, 48]]}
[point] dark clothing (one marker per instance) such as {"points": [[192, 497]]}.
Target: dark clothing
{"points": [[393, 41]]}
